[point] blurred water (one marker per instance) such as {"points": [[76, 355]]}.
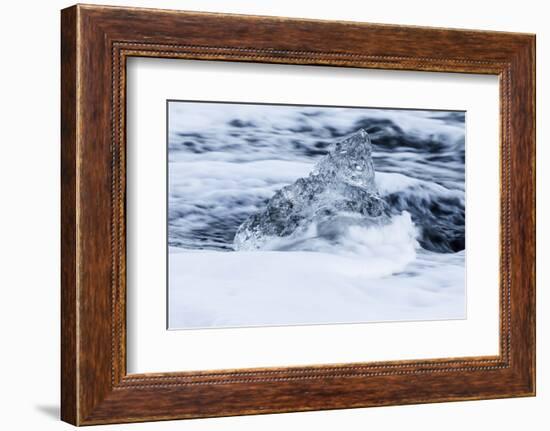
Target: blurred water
{"points": [[227, 160]]}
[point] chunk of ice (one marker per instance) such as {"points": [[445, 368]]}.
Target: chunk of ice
{"points": [[339, 192]]}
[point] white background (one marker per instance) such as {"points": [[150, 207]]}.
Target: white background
{"points": [[152, 349], [29, 224]]}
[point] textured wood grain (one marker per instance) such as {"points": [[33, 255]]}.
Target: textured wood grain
{"points": [[96, 41]]}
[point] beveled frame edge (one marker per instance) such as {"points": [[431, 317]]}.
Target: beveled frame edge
{"points": [[96, 41]]}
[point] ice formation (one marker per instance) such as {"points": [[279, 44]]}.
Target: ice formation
{"points": [[338, 193]]}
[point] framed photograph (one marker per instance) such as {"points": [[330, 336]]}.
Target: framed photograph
{"points": [[264, 214]]}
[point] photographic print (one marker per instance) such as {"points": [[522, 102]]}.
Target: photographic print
{"points": [[302, 215]]}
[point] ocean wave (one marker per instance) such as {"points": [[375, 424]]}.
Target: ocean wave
{"points": [[226, 161], [387, 248], [242, 133], [438, 212], [205, 212]]}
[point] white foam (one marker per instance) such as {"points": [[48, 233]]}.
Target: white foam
{"points": [[214, 289]]}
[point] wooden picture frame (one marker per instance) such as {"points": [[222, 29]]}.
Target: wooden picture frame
{"points": [[95, 43]]}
